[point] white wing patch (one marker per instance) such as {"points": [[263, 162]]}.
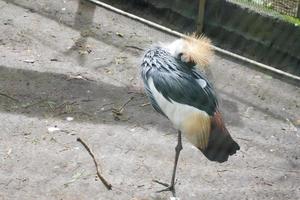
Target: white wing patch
{"points": [[192, 122], [202, 82], [175, 111]]}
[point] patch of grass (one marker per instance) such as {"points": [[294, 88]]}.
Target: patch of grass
{"points": [[261, 7], [293, 20]]}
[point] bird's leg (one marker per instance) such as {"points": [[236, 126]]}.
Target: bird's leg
{"points": [[178, 148]]}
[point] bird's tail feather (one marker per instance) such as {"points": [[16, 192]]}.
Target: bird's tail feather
{"points": [[220, 145]]}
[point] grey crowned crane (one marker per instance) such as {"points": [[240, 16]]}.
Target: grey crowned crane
{"points": [[180, 92]]}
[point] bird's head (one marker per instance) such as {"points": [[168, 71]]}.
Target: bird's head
{"points": [[192, 49], [175, 48]]}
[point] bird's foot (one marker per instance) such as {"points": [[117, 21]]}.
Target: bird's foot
{"points": [[170, 188]]}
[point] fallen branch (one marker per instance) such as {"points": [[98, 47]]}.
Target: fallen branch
{"points": [[64, 104], [78, 77], [135, 47], [7, 96], [145, 104], [224, 170], [35, 103], [127, 102], [244, 139], [106, 184], [119, 111]]}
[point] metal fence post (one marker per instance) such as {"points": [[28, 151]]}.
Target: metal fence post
{"points": [[298, 10], [200, 19]]}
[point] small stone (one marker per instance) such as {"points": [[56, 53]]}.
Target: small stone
{"points": [[53, 129], [70, 119]]}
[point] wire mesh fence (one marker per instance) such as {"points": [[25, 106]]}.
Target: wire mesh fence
{"points": [[286, 7]]}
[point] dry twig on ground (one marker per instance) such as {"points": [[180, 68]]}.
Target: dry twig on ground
{"points": [[135, 47], [7, 96], [119, 111], [107, 184]]}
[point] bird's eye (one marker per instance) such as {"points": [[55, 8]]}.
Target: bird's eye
{"points": [[179, 55]]}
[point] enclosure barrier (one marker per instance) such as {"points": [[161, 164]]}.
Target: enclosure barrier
{"points": [[285, 7], [217, 49]]}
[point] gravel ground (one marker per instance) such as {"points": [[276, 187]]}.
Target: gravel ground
{"points": [[66, 67]]}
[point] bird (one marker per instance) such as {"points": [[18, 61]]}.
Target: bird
{"points": [[178, 88]]}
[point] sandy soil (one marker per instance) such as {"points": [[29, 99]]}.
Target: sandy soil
{"points": [[65, 66]]}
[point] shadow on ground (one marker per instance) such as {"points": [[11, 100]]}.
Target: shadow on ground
{"points": [[87, 28], [46, 95]]}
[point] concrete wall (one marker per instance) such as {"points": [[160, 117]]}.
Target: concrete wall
{"points": [[254, 35], [241, 30]]}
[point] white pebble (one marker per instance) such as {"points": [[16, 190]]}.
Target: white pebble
{"points": [[70, 119], [53, 129]]}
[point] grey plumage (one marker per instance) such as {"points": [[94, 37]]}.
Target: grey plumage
{"points": [[184, 95], [176, 81]]}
